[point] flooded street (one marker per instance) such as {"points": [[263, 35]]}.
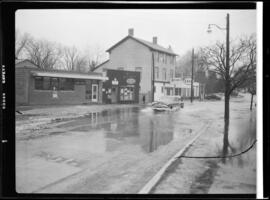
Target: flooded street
{"points": [[116, 150], [209, 175]]}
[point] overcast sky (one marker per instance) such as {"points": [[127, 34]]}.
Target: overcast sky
{"points": [[182, 29]]}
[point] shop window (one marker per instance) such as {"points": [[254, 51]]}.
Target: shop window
{"points": [[46, 83], [127, 93], [38, 83], [66, 84], [54, 83]]}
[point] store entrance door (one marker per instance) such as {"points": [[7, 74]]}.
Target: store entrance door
{"points": [[94, 92], [114, 94]]}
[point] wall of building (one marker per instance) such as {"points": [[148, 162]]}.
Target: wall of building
{"points": [[22, 73], [22, 85], [131, 55], [26, 94], [162, 64], [76, 96], [122, 77]]}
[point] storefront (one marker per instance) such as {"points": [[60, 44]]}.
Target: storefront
{"points": [[121, 87], [35, 86]]}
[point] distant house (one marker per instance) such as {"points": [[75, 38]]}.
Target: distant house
{"points": [[182, 87], [155, 63], [36, 86]]}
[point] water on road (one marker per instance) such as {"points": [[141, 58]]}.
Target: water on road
{"points": [[115, 150]]}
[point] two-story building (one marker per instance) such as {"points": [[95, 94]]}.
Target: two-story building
{"points": [[155, 63]]}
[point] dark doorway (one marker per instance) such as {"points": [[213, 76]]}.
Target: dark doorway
{"points": [[114, 94]]}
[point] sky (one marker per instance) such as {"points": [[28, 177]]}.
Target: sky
{"points": [[99, 29]]}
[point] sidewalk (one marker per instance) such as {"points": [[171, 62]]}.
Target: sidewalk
{"points": [[210, 176]]}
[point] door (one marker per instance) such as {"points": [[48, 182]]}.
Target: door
{"points": [[94, 92], [114, 94]]}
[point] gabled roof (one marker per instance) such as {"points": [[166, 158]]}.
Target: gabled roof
{"points": [[150, 45], [100, 64], [18, 61]]}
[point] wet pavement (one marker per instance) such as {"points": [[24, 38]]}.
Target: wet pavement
{"points": [[111, 151], [211, 176], [115, 150]]}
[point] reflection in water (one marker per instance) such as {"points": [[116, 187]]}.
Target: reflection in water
{"points": [[155, 131], [241, 138], [130, 125]]}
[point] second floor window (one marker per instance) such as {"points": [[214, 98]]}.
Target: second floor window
{"points": [[171, 73], [164, 74], [156, 73]]}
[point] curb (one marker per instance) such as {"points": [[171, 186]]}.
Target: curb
{"points": [[155, 179]]}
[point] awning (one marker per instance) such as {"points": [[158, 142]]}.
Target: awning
{"points": [[69, 75]]}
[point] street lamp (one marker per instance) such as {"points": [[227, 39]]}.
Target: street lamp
{"points": [[227, 84], [209, 30]]}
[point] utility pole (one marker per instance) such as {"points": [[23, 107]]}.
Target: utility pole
{"points": [[153, 77], [192, 67]]}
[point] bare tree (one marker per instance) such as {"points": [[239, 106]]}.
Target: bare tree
{"points": [[43, 53], [95, 55], [242, 67], [21, 42], [70, 55], [74, 60]]}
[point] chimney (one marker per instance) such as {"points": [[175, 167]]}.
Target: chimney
{"points": [[154, 40], [131, 32], [170, 48]]}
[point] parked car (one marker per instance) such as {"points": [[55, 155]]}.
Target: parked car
{"points": [[213, 97]]}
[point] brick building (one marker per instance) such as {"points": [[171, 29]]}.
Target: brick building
{"points": [[35, 86]]}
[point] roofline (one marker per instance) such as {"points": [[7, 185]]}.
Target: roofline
{"points": [[67, 72], [98, 66], [75, 75], [24, 61], [125, 38]]}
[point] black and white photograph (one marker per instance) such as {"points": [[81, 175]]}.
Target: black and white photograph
{"points": [[136, 101]]}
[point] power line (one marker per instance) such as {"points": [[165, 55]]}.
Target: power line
{"points": [[229, 156]]}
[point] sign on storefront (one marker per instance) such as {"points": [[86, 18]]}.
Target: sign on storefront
{"points": [[131, 81]]}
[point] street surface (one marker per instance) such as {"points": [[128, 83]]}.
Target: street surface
{"points": [[119, 148]]}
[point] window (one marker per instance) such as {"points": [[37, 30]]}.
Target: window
{"points": [[48, 83], [66, 84], [127, 93], [120, 68], [156, 73], [171, 59], [168, 91], [160, 57], [171, 73], [164, 74], [54, 83], [38, 83], [176, 91]]}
